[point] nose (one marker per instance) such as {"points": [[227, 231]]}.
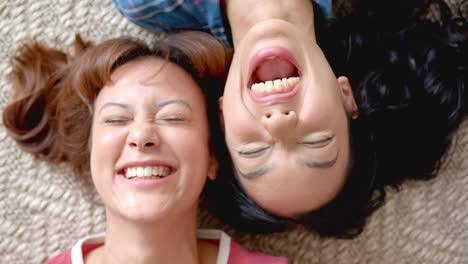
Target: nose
{"points": [[279, 123], [142, 136]]}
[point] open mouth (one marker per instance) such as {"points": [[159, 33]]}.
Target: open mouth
{"points": [[273, 74], [145, 173]]}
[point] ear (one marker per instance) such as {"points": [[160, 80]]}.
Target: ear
{"points": [[212, 167], [221, 119], [220, 102], [347, 97]]}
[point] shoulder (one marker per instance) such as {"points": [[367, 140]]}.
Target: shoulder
{"points": [[63, 258], [230, 252], [241, 255], [77, 253]]}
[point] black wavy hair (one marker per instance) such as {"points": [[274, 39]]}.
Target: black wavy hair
{"points": [[408, 77]]}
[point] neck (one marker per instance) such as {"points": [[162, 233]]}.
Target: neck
{"points": [[169, 240], [244, 14]]}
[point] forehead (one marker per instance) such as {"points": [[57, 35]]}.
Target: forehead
{"points": [[290, 189], [149, 78], [149, 71]]}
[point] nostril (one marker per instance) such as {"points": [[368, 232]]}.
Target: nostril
{"points": [[268, 115], [286, 113], [149, 144]]}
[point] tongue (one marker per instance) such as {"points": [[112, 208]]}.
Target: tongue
{"points": [[272, 69]]}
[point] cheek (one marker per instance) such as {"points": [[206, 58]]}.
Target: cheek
{"points": [[240, 127], [233, 81], [106, 147], [189, 145], [237, 117], [319, 115], [192, 152]]}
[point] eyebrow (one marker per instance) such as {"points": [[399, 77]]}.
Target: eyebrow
{"points": [[158, 106], [319, 165], [124, 106], [173, 101], [256, 173], [307, 163]]}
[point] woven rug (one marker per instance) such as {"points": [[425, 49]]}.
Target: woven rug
{"points": [[45, 209]]}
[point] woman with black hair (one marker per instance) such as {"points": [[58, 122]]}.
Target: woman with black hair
{"points": [[320, 116]]}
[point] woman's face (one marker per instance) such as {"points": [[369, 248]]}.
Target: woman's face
{"points": [[286, 119], [149, 154]]}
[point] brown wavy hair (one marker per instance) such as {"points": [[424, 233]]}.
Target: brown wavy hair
{"points": [[51, 110]]}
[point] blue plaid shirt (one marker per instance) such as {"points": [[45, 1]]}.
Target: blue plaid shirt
{"points": [[170, 15]]}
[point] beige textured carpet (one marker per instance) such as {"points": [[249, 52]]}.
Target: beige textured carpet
{"points": [[44, 209]]}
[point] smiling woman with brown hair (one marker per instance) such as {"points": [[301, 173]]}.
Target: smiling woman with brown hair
{"points": [[137, 117]]}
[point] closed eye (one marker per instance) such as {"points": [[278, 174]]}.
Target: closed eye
{"points": [[116, 120], [172, 119], [317, 144], [252, 153]]}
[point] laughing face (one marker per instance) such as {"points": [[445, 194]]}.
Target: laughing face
{"points": [[286, 119], [148, 126]]}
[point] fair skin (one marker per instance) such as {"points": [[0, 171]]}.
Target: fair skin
{"points": [[151, 218], [289, 141]]}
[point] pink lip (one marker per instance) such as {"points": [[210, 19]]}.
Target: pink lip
{"points": [[146, 183], [258, 58]]}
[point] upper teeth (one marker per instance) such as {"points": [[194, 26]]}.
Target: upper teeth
{"points": [[276, 85], [160, 171]]}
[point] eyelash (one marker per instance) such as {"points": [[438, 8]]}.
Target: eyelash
{"points": [[123, 120], [253, 154], [315, 144], [174, 119], [115, 121]]}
